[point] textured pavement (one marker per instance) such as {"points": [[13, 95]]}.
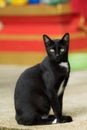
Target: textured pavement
{"points": [[75, 101]]}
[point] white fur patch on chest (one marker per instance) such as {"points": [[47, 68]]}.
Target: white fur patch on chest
{"points": [[64, 64]]}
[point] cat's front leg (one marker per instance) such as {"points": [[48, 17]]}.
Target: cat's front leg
{"points": [[61, 92], [58, 110], [60, 98], [63, 119], [49, 82], [54, 101]]}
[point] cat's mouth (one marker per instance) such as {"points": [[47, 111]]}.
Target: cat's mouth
{"points": [[57, 59]]}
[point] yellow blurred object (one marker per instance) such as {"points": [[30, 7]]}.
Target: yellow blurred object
{"points": [[19, 2], [2, 3]]}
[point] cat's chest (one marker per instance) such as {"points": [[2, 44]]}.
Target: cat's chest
{"points": [[64, 66]]}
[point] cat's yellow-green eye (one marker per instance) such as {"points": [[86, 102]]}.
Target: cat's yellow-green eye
{"points": [[62, 50], [52, 50]]}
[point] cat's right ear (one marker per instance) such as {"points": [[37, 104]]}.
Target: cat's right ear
{"points": [[47, 40]]}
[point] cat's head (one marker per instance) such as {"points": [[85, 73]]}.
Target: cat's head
{"points": [[57, 49]]}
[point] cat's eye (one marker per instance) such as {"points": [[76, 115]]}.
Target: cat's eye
{"points": [[52, 50], [62, 50]]}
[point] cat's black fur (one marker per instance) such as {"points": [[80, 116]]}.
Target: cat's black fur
{"points": [[37, 87]]}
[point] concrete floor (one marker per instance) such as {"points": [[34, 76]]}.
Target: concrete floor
{"points": [[75, 101]]}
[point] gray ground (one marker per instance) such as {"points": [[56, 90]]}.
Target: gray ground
{"points": [[75, 101]]}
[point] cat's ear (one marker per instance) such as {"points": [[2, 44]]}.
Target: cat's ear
{"points": [[66, 37], [47, 40]]}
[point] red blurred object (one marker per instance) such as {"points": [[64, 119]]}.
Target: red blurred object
{"points": [[37, 26], [79, 6]]}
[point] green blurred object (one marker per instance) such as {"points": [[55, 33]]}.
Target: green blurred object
{"points": [[8, 1], [54, 2], [78, 61]]}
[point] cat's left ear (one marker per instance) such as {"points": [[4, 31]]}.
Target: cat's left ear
{"points": [[66, 38], [47, 40]]}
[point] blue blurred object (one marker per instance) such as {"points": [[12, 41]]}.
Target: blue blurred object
{"points": [[34, 1]]}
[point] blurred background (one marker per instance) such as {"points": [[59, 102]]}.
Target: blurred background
{"points": [[23, 22]]}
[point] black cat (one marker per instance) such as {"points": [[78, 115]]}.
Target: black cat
{"points": [[39, 87]]}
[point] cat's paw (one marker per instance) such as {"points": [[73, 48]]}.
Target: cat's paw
{"points": [[64, 119]]}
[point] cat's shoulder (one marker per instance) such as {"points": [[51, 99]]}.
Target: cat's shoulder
{"points": [[45, 64], [31, 70]]}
